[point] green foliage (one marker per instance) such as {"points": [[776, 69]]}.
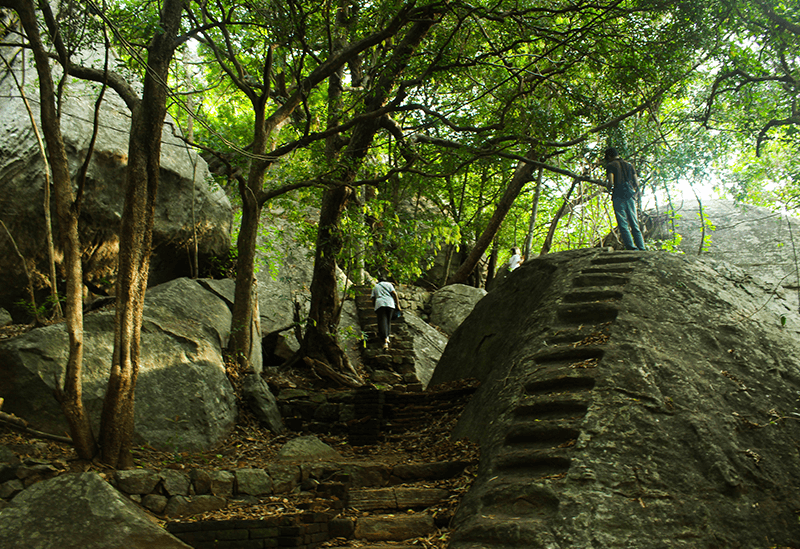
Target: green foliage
{"points": [[708, 229], [672, 245], [491, 80], [394, 240], [45, 309]]}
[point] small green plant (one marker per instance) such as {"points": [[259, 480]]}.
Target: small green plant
{"points": [[708, 228], [43, 310], [672, 244]]}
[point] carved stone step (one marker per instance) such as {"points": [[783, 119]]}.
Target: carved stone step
{"points": [[587, 313], [599, 280]]}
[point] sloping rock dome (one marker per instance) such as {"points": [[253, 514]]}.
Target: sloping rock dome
{"points": [[630, 399]]}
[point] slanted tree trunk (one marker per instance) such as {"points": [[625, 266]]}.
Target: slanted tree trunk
{"points": [[71, 396], [548, 241], [521, 176], [136, 231], [528, 246]]}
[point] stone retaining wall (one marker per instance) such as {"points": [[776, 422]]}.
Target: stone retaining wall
{"points": [[301, 531]]}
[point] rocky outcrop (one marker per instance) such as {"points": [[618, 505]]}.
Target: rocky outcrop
{"points": [[756, 239], [634, 399], [261, 401], [183, 397], [79, 511], [428, 344], [452, 304], [190, 208]]}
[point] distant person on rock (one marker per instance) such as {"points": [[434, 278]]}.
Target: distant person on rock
{"points": [[624, 186], [384, 298], [516, 259]]}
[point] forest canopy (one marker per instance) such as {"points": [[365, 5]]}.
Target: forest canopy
{"points": [[699, 94]]}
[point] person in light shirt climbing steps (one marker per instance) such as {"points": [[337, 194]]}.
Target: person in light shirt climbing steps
{"points": [[385, 301]]}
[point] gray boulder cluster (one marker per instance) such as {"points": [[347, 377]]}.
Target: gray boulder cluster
{"points": [[184, 399]]}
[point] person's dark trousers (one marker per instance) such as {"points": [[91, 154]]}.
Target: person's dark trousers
{"points": [[384, 322], [625, 212]]}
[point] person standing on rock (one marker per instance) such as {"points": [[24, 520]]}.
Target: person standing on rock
{"points": [[624, 186], [516, 259], [384, 298]]}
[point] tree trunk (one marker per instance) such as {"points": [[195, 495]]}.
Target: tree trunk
{"points": [[241, 342], [71, 396], [320, 341], [136, 231], [548, 242], [521, 175], [528, 246], [492, 267]]}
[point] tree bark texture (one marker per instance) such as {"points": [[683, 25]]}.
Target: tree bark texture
{"points": [[144, 162], [241, 337], [320, 341], [71, 396]]}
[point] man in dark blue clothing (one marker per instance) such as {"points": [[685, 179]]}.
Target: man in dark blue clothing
{"points": [[624, 186]]}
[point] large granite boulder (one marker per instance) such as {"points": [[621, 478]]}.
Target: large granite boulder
{"points": [[756, 239], [189, 208], [183, 397], [630, 399], [79, 511], [428, 344], [452, 304], [285, 266]]}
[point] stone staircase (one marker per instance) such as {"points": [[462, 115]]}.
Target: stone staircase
{"points": [[365, 503], [398, 360], [354, 503], [537, 443], [371, 505]]}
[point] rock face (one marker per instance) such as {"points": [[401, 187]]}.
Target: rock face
{"points": [[429, 344], [284, 271], [183, 397], [452, 304], [188, 207], [79, 511], [755, 239], [629, 399], [261, 401]]}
